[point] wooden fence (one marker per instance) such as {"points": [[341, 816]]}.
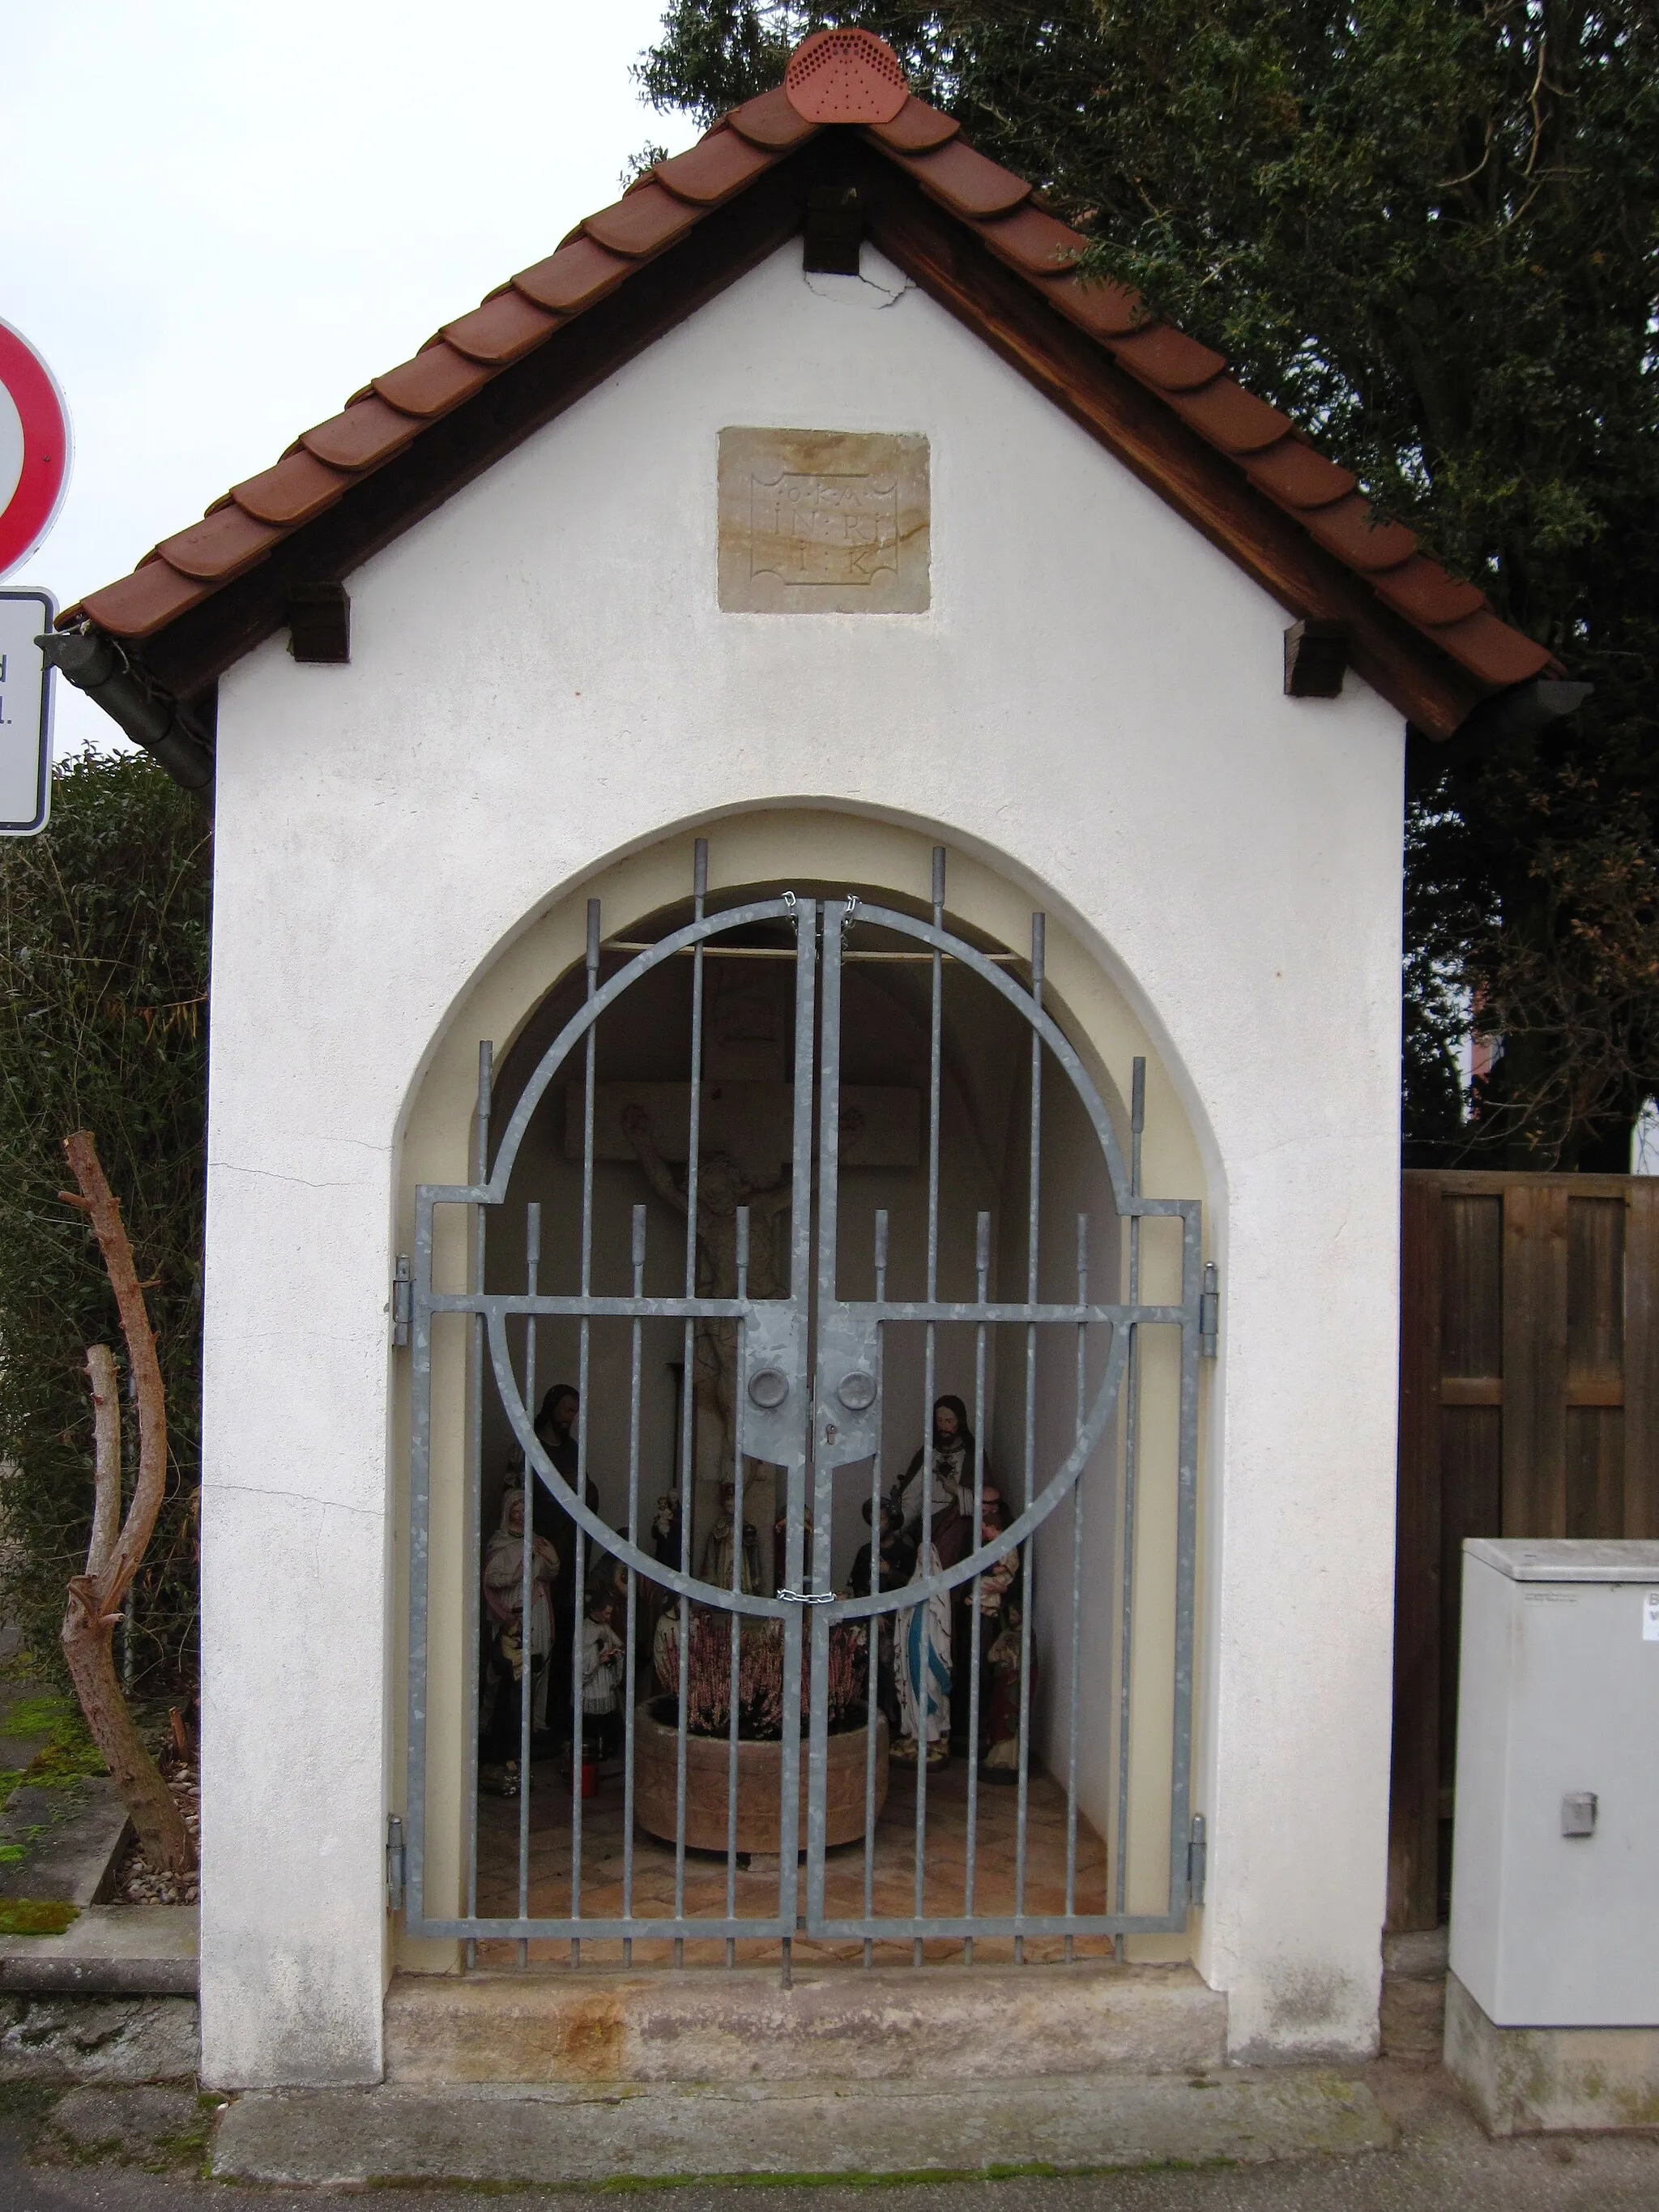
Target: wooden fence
{"points": [[1528, 1407]]}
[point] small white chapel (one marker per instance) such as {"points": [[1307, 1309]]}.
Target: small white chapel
{"points": [[803, 1154]]}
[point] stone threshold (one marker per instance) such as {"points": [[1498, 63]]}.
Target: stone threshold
{"points": [[111, 1950], [710, 2025], [570, 2136]]}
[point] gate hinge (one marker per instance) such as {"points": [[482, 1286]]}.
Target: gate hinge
{"points": [[1209, 1311], [402, 1301], [1197, 1853], [394, 1864]]}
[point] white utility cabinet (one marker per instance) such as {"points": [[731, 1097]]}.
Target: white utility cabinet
{"points": [[1555, 1867]]}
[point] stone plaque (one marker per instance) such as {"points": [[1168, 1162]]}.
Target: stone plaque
{"points": [[823, 522]]}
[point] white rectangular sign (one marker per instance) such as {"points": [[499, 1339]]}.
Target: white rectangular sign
{"points": [[25, 711], [1650, 1616]]}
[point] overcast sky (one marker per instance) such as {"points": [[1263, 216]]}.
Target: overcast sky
{"points": [[220, 217]]}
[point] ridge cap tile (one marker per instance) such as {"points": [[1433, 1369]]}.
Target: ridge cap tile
{"points": [[502, 328], [580, 272], [967, 182], [1231, 418], [142, 602], [916, 129], [713, 169], [1297, 476], [769, 120], [1345, 529], [1494, 650], [360, 435], [1160, 353], [296, 488], [435, 380], [1033, 239], [640, 223], [1422, 591], [1100, 307], [219, 546]]}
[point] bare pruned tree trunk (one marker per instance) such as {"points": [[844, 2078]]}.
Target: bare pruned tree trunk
{"points": [[117, 1548]]}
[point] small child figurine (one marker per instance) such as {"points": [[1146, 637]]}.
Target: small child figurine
{"points": [[602, 1672]]}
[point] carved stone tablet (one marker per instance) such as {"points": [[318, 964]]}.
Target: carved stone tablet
{"points": [[823, 522]]}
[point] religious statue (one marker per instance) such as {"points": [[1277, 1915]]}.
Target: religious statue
{"points": [[722, 1187], [603, 1657], [885, 1564], [947, 1464], [510, 1648], [1002, 1668], [722, 1543], [924, 1672], [556, 1429]]}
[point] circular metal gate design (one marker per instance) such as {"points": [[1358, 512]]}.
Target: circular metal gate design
{"points": [[809, 1401]]}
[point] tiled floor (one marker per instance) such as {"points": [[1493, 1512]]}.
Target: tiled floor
{"points": [[756, 1888]]}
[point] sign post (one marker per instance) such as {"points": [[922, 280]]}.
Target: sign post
{"points": [[34, 457]]}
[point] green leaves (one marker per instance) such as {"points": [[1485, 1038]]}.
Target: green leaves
{"points": [[104, 937]]}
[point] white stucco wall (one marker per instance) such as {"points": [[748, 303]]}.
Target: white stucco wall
{"points": [[540, 681]]}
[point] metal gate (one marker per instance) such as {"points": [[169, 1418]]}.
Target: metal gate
{"points": [[810, 1399]]}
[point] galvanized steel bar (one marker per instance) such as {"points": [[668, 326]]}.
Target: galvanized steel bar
{"points": [[800, 1289], [1130, 1451], [584, 1348], [923, 1688], [981, 1276], [688, 1393], [837, 918], [1028, 1562], [532, 1253], [472, 1531], [631, 1660], [872, 1624], [735, 1682], [1077, 1586]]}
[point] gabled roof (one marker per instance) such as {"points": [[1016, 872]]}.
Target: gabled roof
{"points": [[969, 233]]}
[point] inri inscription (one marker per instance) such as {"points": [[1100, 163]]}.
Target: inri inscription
{"points": [[823, 522]]}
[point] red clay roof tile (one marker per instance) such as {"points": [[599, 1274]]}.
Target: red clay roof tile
{"points": [[641, 223], [437, 379], [368, 432], [1034, 241], [1492, 652], [291, 493], [1231, 418], [1103, 309], [965, 181], [1294, 475], [1346, 530], [1167, 357], [138, 605], [713, 169], [769, 120], [1423, 591], [219, 546], [916, 129], [573, 278], [505, 326]]}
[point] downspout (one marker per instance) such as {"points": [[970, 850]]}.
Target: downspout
{"points": [[140, 709]]}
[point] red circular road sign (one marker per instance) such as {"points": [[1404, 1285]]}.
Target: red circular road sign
{"points": [[34, 448]]}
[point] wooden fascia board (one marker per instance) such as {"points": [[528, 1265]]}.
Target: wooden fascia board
{"points": [[198, 646], [947, 259]]}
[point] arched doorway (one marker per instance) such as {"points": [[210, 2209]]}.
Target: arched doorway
{"points": [[763, 1180]]}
